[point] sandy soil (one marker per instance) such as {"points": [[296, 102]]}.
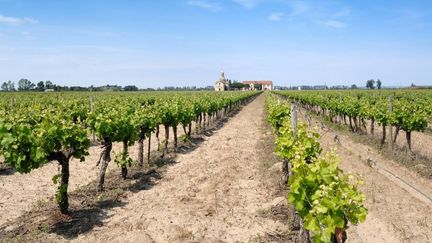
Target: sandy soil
{"points": [[421, 141], [397, 211], [212, 194], [21, 192]]}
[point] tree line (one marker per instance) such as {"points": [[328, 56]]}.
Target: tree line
{"points": [[27, 85]]}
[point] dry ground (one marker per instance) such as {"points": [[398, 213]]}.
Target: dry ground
{"points": [[421, 158], [421, 141]]}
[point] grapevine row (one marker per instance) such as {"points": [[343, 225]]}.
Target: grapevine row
{"points": [[405, 110], [37, 129], [322, 195]]}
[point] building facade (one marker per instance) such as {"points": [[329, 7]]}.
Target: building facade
{"points": [[253, 85], [222, 84]]}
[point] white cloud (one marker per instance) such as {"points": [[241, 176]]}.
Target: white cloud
{"points": [[205, 4], [248, 4], [334, 24], [275, 16], [16, 21]]}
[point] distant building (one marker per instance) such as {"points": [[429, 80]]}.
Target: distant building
{"points": [[49, 90], [320, 87], [266, 85], [222, 83]]}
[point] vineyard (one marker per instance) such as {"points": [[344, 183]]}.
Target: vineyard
{"points": [[321, 184], [408, 111], [42, 129], [340, 118]]}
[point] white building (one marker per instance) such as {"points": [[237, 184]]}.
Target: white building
{"points": [[265, 84], [222, 83]]}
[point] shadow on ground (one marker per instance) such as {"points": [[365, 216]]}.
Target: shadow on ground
{"points": [[4, 171], [84, 220], [88, 208]]}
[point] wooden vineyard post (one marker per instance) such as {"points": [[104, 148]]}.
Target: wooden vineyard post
{"points": [[294, 120], [303, 234], [390, 125], [148, 147], [12, 104], [295, 134], [340, 114], [285, 164], [92, 110]]}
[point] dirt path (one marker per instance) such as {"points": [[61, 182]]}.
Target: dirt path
{"points": [[212, 194], [398, 212]]}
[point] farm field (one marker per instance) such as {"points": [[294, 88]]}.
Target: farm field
{"points": [[220, 183], [398, 195], [216, 121], [35, 190], [397, 212], [395, 119]]}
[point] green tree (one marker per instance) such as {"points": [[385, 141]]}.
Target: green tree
{"points": [[237, 85], [49, 85], [378, 82], [40, 86], [25, 85], [11, 86], [370, 84], [5, 86], [130, 88]]}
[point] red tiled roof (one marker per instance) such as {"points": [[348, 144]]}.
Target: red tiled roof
{"points": [[264, 82]]}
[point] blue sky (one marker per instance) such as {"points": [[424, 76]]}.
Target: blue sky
{"points": [[156, 43]]}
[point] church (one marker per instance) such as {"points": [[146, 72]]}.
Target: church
{"points": [[222, 84]]}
